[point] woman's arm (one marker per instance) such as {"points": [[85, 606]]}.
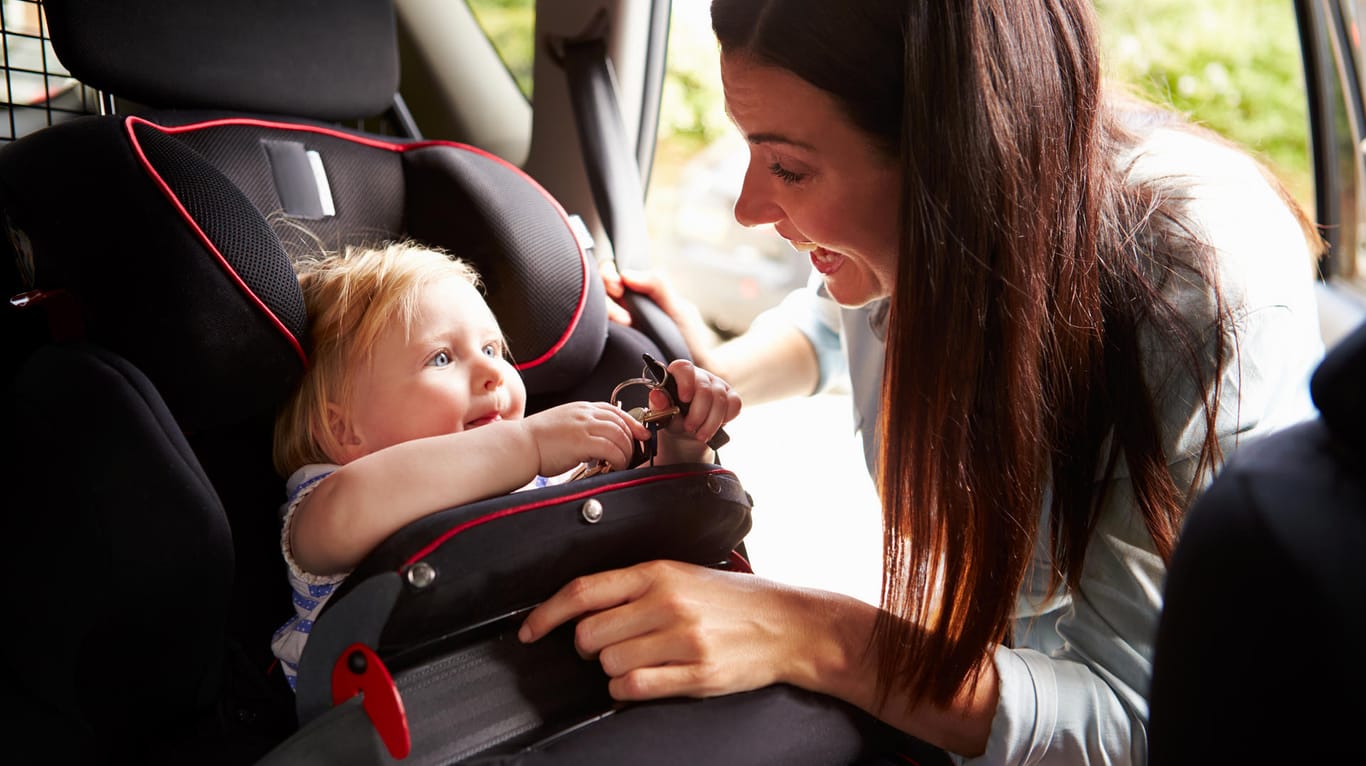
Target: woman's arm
{"points": [[373, 496], [772, 360], [666, 629]]}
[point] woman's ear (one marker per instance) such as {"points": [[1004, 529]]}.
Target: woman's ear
{"points": [[343, 438]]}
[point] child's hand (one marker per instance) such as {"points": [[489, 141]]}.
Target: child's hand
{"points": [[580, 432], [711, 404]]}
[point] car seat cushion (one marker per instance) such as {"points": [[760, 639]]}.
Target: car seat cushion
{"points": [[1337, 388], [176, 271], [140, 560]]}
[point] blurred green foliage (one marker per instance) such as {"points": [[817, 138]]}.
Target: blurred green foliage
{"points": [[1233, 65], [511, 25]]}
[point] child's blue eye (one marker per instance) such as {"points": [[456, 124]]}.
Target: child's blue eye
{"points": [[493, 351], [441, 359]]}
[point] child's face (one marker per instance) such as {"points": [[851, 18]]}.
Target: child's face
{"points": [[448, 374]]}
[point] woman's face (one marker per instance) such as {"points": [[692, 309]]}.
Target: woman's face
{"points": [[816, 178]]}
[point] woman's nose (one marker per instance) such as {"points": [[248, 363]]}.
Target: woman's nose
{"points": [[755, 206]]}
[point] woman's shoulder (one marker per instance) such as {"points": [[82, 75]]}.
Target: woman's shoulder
{"points": [[1190, 157], [1232, 202]]}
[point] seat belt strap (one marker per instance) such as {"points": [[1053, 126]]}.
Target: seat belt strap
{"points": [[614, 177]]}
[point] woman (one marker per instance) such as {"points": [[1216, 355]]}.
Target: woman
{"points": [[1087, 305]]}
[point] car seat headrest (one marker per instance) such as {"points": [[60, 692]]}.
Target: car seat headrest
{"points": [[332, 60], [1337, 387]]}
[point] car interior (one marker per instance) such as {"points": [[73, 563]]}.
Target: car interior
{"points": [[154, 195]]}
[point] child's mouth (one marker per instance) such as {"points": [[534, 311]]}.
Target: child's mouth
{"points": [[485, 420]]}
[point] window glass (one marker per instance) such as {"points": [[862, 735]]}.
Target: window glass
{"points": [[511, 26], [1233, 65], [731, 272]]}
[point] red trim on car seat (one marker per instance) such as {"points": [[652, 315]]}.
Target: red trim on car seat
{"points": [[395, 147], [438, 542], [204, 238]]}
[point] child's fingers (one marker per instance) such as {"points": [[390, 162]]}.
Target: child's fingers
{"points": [[635, 429]]}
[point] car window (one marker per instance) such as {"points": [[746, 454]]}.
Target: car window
{"points": [[511, 26], [37, 90]]}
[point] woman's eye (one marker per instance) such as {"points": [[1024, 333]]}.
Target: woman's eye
{"points": [[785, 175], [440, 359]]}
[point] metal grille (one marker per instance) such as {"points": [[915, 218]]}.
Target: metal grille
{"points": [[37, 91]]}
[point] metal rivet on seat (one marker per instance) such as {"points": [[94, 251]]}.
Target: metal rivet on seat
{"points": [[592, 511], [421, 574]]}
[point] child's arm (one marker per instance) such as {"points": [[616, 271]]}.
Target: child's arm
{"points": [[368, 499], [711, 404]]}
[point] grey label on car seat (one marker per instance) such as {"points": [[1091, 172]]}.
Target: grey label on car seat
{"points": [[300, 180]]}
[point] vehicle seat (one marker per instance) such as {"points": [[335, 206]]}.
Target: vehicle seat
{"points": [[1258, 656], [155, 324]]}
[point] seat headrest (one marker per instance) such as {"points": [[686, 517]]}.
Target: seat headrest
{"points": [[321, 59], [1338, 390]]}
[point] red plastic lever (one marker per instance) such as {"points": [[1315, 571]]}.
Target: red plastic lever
{"points": [[360, 671]]}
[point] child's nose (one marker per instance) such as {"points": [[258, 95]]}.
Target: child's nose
{"points": [[490, 374]]}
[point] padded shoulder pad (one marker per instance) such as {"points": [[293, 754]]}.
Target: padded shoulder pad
{"points": [[538, 278]]}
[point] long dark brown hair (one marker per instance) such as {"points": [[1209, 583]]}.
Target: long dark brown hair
{"points": [[1028, 269]]}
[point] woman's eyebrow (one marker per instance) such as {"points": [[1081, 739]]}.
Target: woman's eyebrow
{"points": [[778, 138]]}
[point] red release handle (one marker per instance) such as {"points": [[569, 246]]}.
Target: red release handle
{"points": [[360, 671]]}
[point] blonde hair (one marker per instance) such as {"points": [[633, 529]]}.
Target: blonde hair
{"points": [[350, 299]]}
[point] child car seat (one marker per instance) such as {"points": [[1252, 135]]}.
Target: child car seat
{"points": [[155, 326]]}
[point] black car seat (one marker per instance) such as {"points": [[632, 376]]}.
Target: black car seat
{"points": [[155, 323], [1258, 656]]}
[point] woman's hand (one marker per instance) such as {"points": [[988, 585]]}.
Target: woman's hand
{"points": [[711, 404], [696, 333], [664, 629]]}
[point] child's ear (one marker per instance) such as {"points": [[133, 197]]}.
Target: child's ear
{"points": [[345, 440]]}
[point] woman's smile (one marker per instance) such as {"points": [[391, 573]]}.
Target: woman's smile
{"points": [[826, 261]]}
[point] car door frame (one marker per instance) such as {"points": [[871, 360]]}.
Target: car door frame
{"points": [[1331, 48]]}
